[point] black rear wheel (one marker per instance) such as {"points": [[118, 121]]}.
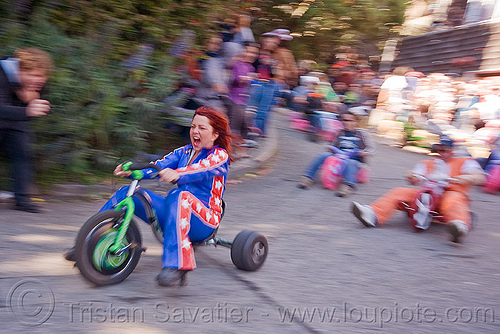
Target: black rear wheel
{"points": [[249, 250], [97, 235]]}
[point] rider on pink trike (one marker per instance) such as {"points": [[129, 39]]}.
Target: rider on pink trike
{"points": [[463, 172]]}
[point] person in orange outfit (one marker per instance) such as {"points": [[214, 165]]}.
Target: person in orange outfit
{"points": [[454, 204]]}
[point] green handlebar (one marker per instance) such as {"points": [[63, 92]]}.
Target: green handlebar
{"points": [[136, 174], [126, 165]]}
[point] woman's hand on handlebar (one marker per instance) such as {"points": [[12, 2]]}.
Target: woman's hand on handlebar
{"points": [[169, 175], [120, 172]]}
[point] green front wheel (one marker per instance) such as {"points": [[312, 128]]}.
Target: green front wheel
{"points": [[96, 263]]}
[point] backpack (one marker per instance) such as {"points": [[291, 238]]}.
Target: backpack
{"points": [[330, 173]]}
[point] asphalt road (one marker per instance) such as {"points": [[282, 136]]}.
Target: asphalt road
{"points": [[325, 269]]}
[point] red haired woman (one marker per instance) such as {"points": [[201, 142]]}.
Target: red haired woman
{"points": [[191, 212]]}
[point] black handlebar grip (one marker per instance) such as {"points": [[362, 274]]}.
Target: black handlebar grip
{"points": [[137, 166]]}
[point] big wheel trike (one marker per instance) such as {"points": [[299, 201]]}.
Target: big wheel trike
{"points": [[109, 244]]}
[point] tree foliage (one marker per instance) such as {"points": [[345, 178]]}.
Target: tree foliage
{"points": [[321, 27]]}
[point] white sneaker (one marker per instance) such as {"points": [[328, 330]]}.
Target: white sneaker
{"points": [[458, 230], [249, 143], [365, 214]]}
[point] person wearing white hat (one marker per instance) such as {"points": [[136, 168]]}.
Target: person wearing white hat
{"points": [[290, 72]]}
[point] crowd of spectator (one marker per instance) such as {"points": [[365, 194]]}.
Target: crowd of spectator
{"points": [[244, 76], [466, 110], [239, 76]]}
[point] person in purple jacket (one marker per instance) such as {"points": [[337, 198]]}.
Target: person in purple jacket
{"points": [[243, 72]]}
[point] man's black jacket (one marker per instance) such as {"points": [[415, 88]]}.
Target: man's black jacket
{"points": [[12, 109]]}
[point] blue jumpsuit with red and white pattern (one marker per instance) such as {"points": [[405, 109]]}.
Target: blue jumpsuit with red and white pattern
{"points": [[190, 212]]}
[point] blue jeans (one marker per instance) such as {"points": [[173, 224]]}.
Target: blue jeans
{"points": [[261, 100], [314, 119], [349, 174], [288, 96]]}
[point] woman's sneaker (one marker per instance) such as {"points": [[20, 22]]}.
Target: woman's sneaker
{"points": [[171, 276], [365, 214]]}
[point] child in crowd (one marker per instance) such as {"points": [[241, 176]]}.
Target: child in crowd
{"points": [[349, 139]]}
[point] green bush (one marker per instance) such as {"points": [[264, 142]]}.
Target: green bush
{"points": [[102, 111]]}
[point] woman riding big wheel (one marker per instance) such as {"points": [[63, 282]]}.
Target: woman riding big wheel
{"points": [[191, 212]]}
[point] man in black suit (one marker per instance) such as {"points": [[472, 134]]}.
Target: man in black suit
{"points": [[22, 77]]}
